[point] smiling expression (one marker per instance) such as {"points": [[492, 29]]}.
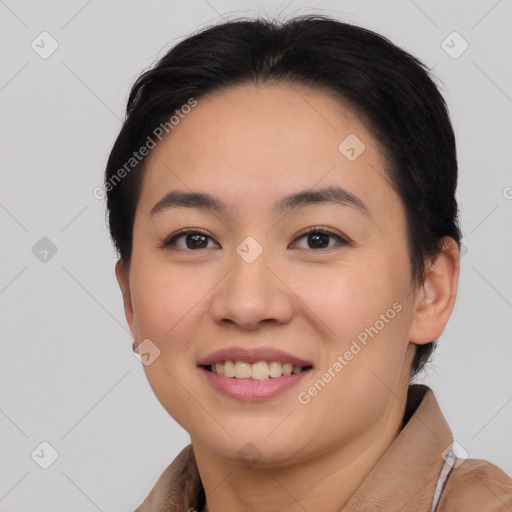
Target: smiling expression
{"points": [[248, 172]]}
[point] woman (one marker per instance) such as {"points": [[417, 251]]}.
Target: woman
{"points": [[282, 199]]}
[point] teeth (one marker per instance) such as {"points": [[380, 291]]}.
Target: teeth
{"points": [[260, 371], [275, 369], [242, 370], [219, 368], [257, 371], [287, 368], [229, 368]]}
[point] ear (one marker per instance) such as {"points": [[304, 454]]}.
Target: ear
{"points": [[124, 284], [436, 296]]}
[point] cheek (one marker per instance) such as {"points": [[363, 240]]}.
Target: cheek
{"points": [[366, 313], [168, 309], [363, 310], [348, 299], [165, 300]]}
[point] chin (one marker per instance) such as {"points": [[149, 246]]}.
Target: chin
{"points": [[258, 448]]}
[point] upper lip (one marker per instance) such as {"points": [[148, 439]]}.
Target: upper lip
{"points": [[252, 355]]}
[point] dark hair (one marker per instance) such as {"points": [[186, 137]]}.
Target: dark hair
{"points": [[389, 87]]}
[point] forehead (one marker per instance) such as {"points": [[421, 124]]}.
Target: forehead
{"points": [[252, 145]]}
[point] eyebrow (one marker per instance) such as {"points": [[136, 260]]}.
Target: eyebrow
{"points": [[203, 201]]}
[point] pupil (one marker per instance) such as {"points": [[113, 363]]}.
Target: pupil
{"points": [[318, 237], [195, 238]]}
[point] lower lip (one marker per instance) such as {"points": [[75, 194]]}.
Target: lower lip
{"points": [[252, 390]]}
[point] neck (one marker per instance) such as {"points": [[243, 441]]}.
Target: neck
{"points": [[325, 482]]}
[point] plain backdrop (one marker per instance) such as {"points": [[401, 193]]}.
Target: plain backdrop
{"points": [[68, 375]]}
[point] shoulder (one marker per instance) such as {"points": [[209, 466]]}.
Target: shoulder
{"points": [[178, 488], [476, 485]]}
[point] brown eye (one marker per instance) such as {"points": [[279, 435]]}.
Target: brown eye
{"points": [[319, 238], [192, 240]]}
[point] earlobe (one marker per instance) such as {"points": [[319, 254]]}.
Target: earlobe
{"points": [[437, 294], [124, 285]]}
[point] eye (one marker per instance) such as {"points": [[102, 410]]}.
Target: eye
{"points": [[317, 237], [193, 239]]}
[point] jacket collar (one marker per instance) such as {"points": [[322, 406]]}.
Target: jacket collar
{"points": [[404, 478]]}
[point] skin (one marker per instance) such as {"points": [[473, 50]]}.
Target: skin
{"points": [[250, 146]]}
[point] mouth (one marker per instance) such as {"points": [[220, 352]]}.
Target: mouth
{"points": [[260, 370], [259, 373]]}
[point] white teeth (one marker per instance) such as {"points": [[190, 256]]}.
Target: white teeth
{"points": [[219, 368], [242, 370], [275, 369], [260, 371], [229, 369], [257, 371], [287, 368]]}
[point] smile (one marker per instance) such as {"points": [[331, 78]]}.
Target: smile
{"points": [[241, 386], [261, 370]]}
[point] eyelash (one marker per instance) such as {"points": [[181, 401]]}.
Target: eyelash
{"points": [[169, 242]]}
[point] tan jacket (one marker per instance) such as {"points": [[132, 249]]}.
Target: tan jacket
{"points": [[411, 476]]}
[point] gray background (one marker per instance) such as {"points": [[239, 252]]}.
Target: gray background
{"points": [[68, 376]]}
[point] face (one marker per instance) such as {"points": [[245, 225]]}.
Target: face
{"points": [[250, 276]]}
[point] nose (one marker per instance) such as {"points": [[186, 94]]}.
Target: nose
{"points": [[253, 294]]}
